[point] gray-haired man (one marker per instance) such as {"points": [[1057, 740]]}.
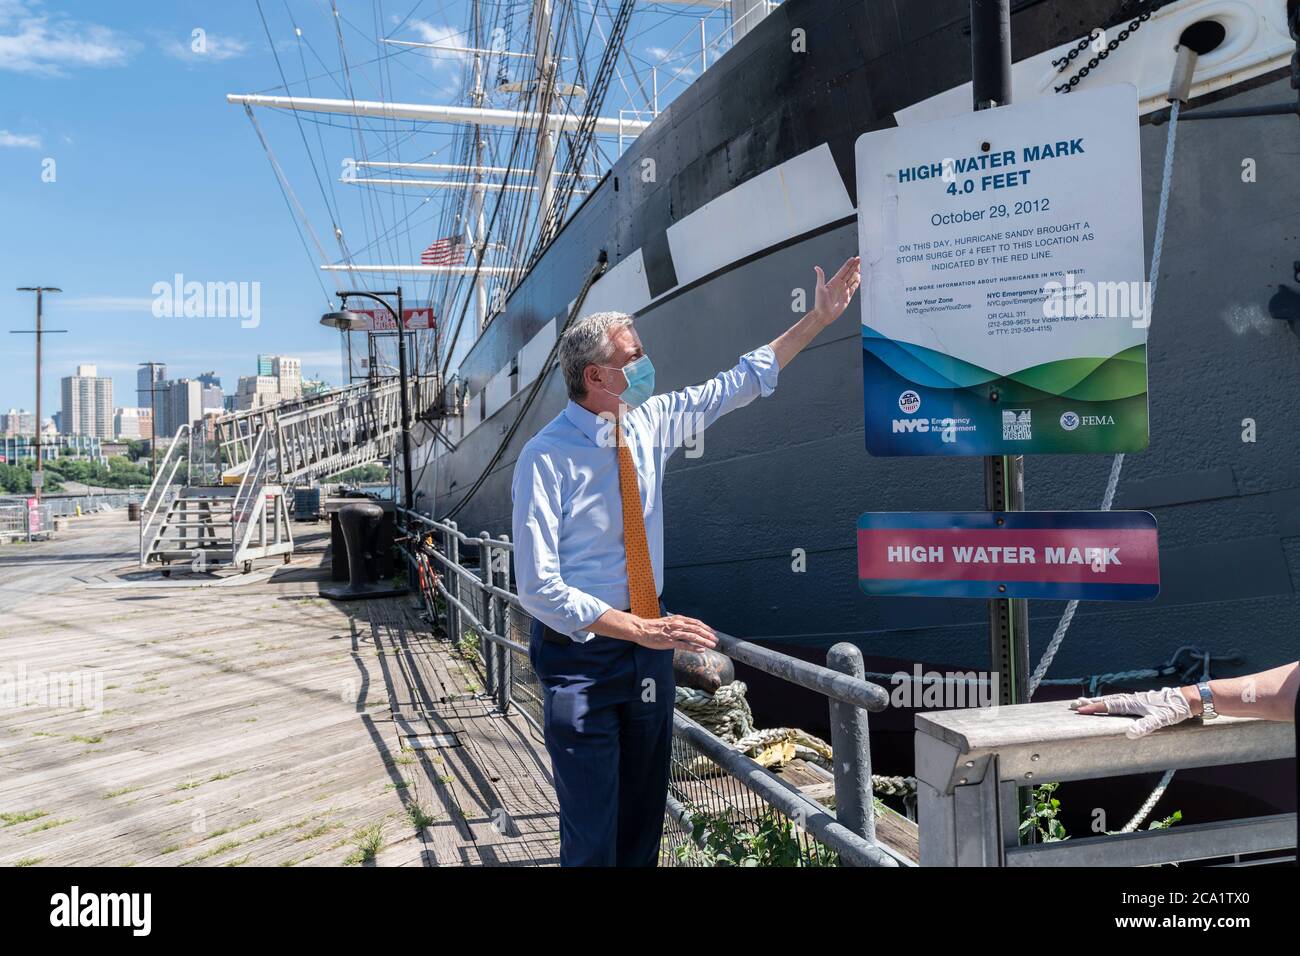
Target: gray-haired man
{"points": [[588, 532]]}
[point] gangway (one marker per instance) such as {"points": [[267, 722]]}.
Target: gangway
{"points": [[234, 509]]}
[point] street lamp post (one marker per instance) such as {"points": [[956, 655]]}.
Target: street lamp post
{"points": [[348, 321], [38, 480]]}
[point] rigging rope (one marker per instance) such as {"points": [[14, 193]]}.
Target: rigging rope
{"points": [[1118, 463], [601, 264]]}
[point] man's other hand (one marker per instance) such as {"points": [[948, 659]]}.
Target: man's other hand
{"points": [[1153, 708], [675, 632]]}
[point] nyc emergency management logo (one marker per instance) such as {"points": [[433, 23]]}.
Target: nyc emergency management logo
{"points": [[1069, 421], [909, 403]]}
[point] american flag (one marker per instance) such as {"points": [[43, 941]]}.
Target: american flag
{"points": [[447, 251]]}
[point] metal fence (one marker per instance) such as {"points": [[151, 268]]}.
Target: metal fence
{"points": [[63, 506], [19, 521], [723, 807], [23, 523]]}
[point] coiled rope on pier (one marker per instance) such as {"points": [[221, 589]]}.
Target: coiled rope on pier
{"points": [[726, 715]]}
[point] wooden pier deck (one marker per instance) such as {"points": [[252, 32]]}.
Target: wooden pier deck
{"points": [[245, 723]]}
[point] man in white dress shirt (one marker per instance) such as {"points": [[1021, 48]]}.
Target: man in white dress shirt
{"points": [[588, 533]]}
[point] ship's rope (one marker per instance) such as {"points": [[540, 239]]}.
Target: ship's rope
{"points": [[1149, 805], [727, 716], [1117, 464]]}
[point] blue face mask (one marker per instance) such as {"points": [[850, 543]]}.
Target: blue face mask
{"points": [[640, 375]]}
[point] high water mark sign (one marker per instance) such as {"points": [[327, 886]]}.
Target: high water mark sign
{"points": [[1004, 307], [1057, 555]]}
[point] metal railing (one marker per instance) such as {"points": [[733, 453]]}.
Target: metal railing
{"points": [[969, 764], [248, 497], [321, 435], [25, 522], [62, 506], [153, 510], [721, 803]]}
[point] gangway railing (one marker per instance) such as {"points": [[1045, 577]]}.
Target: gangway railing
{"points": [[247, 498], [479, 605], [153, 510], [970, 763], [320, 435]]}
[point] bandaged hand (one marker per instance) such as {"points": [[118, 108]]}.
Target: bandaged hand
{"points": [[1153, 708]]}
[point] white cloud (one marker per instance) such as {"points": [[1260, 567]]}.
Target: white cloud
{"points": [[33, 41], [209, 46], [19, 140], [679, 64], [442, 34]]}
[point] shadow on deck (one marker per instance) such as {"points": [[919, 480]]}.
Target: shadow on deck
{"points": [[481, 780]]}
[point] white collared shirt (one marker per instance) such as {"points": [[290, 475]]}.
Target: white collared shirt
{"points": [[570, 560]]}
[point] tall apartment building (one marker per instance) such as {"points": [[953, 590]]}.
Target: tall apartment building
{"points": [[18, 421], [179, 403], [287, 372], [87, 404], [143, 383], [256, 391], [134, 423]]}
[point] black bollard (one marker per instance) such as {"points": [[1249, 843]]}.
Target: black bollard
{"points": [[360, 525]]}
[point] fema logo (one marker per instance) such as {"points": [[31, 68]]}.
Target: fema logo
{"points": [[909, 402], [1069, 421]]}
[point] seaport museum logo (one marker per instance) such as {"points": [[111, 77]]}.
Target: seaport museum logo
{"points": [[208, 300], [909, 403], [1016, 424]]}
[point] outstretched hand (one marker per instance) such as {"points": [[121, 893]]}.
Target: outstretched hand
{"points": [[833, 296], [1153, 708]]}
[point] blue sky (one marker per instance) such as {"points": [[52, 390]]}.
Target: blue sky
{"points": [[155, 174]]}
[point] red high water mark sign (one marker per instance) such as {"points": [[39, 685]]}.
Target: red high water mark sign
{"points": [[379, 320], [1058, 555]]}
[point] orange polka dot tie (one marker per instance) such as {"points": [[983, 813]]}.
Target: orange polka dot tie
{"points": [[640, 574]]}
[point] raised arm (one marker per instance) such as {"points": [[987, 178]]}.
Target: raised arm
{"points": [[696, 407], [829, 302]]}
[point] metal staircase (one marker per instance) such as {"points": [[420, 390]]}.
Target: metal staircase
{"points": [[213, 525], [224, 501]]}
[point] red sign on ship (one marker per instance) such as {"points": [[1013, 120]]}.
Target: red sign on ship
{"points": [[1058, 555], [380, 320]]}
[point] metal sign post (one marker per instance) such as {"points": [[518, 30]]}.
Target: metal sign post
{"points": [[1004, 475]]}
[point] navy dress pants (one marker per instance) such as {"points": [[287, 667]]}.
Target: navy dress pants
{"points": [[608, 718]]}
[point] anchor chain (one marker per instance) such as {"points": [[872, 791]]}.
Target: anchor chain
{"points": [[1134, 25]]}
